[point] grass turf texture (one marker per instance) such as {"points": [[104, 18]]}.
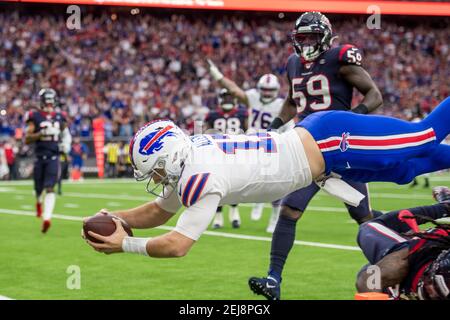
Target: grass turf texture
{"points": [[34, 266]]}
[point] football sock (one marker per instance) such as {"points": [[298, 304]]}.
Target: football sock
{"points": [[234, 214], [282, 242], [49, 205]]}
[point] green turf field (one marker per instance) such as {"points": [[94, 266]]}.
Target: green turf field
{"points": [[34, 266]]}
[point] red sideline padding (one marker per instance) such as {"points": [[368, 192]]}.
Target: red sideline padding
{"points": [[99, 144]]}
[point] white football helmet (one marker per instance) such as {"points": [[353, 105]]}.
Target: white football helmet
{"points": [[268, 87], [162, 145]]}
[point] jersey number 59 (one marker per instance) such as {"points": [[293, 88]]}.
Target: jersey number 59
{"points": [[316, 86]]}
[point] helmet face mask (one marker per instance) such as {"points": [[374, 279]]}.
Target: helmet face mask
{"points": [[164, 184], [308, 44]]}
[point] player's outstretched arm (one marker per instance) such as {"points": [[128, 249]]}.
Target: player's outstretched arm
{"points": [[361, 80], [393, 269], [169, 245], [177, 243], [230, 85], [148, 215]]}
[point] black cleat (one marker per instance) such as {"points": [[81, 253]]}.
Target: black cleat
{"points": [[441, 194], [267, 287], [235, 224]]}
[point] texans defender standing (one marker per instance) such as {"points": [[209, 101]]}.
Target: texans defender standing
{"points": [[229, 118], [44, 127], [321, 78], [264, 104]]}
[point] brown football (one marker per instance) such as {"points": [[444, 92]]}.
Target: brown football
{"points": [[104, 225]]}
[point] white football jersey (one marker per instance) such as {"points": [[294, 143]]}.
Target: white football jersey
{"points": [[262, 114], [229, 169]]}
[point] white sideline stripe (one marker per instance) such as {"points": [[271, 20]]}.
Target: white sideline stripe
{"points": [[210, 233], [5, 298]]}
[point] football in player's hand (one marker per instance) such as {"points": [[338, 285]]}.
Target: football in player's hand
{"points": [[103, 224]]}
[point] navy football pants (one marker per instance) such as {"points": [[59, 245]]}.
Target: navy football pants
{"points": [[45, 173]]}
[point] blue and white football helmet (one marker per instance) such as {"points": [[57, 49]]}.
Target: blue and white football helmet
{"points": [[162, 145], [268, 87]]}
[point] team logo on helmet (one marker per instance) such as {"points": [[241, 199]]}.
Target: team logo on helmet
{"points": [[344, 142], [153, 142]]}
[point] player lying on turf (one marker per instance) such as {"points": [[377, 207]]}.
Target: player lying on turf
{"points": [[206, 171], [412, 264]]}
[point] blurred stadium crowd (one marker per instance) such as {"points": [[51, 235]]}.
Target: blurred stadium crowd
{"points": [[130, 69]]}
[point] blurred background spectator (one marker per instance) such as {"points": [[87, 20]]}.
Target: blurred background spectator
{"points": [[78, 154]]}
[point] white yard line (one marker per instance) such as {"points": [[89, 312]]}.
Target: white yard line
{"points": [[5, 298], [209, 233]]}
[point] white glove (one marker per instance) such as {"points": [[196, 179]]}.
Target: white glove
{"points": [[214, 71], [335, 186]]}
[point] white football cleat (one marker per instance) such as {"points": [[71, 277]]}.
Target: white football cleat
{"points": [[257, 211]]}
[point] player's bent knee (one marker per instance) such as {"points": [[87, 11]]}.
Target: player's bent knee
{"points": [[364, 219], [291, 213]]}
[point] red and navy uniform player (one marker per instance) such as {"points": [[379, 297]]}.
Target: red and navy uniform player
{"points": [[412, 264], [44, 127], [228, 118], [321, 78]]}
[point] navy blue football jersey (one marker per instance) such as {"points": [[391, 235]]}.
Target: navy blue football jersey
{"points": [[47, 145], [317, 86], [227, 122]]}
